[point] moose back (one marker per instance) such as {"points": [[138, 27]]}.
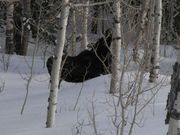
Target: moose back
{"points": [[88, 64]]}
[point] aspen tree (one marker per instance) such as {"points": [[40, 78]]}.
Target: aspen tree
{"points": [[56, 65], [142, 26], [26, 5], [85, 26], [156, 42], [116, 48]]}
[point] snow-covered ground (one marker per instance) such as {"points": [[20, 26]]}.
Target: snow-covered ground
{"points": [[71, 120]]}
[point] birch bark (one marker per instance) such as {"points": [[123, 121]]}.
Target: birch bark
{"points": [[25, 27], [56, 65], [116, 49], [156, 42], [85, 26], [142, 26]]}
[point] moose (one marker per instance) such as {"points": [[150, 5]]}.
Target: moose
{"points": [[88, 64]]}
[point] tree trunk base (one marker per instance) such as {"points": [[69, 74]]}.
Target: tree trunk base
{"points": [[173, 102]]}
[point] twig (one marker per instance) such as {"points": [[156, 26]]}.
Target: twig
{"points": [[92, 4], [80, 91]]}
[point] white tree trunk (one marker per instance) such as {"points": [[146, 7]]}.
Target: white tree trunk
{"points": [[85, 27], [26, 4], [148, 38], [156, 42], [116, 49], [142, 26], [10, 47], [56, 65]]}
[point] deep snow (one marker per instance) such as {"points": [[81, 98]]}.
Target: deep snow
{"points": [[69, 121]]}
